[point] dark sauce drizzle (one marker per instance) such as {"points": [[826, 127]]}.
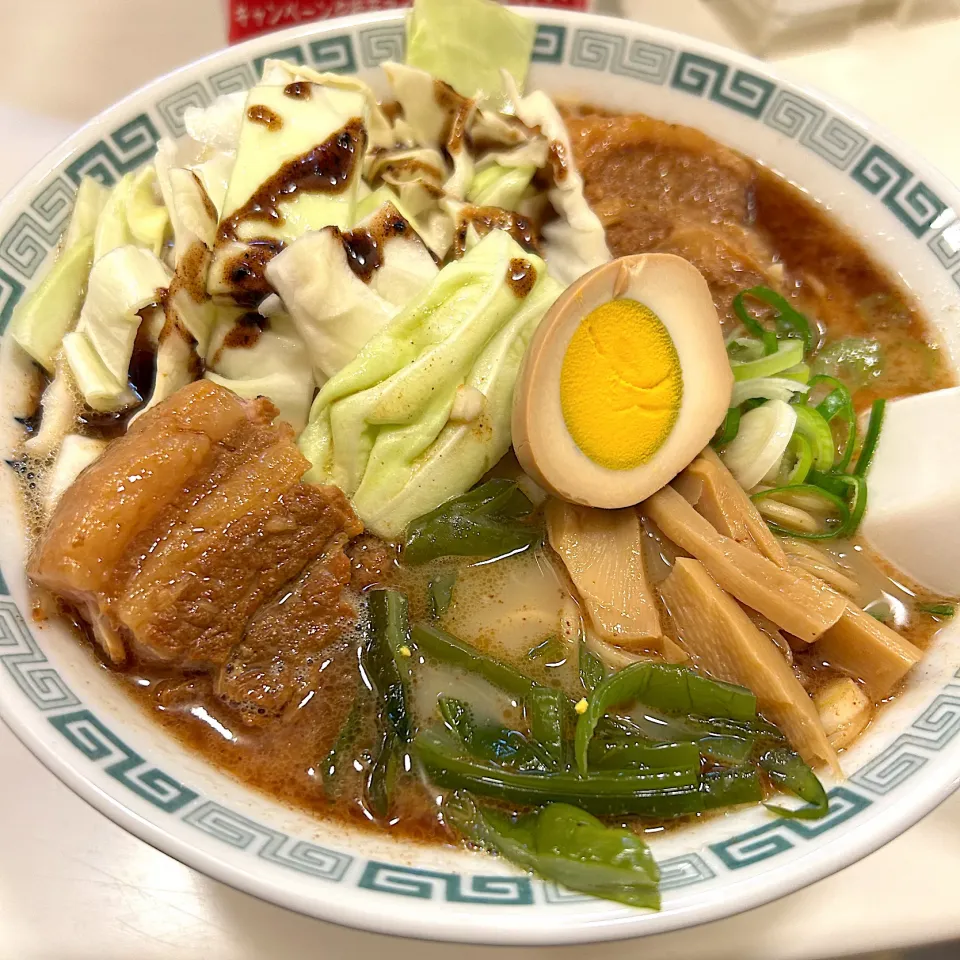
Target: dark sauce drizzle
{"points": [[298, 90], [486, 219], [258, 113], [364, 246], [327, 168], [521, 277]]}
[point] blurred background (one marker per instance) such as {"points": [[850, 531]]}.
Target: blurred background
{"points": [[73, 886]]}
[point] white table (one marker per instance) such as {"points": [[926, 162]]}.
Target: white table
{"points": [[87, 889]]}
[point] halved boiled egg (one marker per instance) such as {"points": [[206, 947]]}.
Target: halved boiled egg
{"points": [[624, 382]]}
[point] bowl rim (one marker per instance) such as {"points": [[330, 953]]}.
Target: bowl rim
{"points": [[850, 844]]}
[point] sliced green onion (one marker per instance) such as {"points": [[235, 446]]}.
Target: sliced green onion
{"points": [[744, 348], [945, 610], [789, 322], [757, 450], [837, 404], [800, 451], [789, 353], [857, 503], [871, 437], [816, 431], [835, 525], [765, 388], [728, 429], [800, 373]]}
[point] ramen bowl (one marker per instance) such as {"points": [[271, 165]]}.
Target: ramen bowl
{"points": [[78, 722]]}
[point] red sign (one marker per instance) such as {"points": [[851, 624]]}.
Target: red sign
{"points": [[250, 18]]}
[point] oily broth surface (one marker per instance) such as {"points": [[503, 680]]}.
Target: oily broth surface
{"points": [[507, 607]]}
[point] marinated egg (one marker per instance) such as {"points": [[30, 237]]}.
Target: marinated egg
{"points": [[624, 382]]}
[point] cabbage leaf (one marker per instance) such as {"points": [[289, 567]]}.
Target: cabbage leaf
{"points": [[122, 283], [44, 317], [41, 321], [467, 45], [336, 312], [381, 428], [290, 395], [434, 121], [575, 243], [297, 126], [112, 228], [500, 186], [379, 130], [76, 453], [275, 365], [87, 206], [191, 212], [147, 215], [60, 405]]}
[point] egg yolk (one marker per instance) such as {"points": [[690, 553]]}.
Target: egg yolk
{"points": [[620, 385]]}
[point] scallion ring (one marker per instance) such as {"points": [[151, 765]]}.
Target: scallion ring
{"points": [[788, 354], [728, 429], [837, 405], [800, 373], [816, 431], [765, 388], [870, 438], [802, 460], [789, 323], [836, 524]]}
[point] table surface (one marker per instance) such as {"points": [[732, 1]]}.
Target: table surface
{"points": [[85, 889]]}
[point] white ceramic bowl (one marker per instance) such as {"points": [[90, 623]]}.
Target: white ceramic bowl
{"points": [[69, 713]]}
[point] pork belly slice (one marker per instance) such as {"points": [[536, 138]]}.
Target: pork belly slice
{"points": [[194, 597], [187, 526], [280, 657], [644, 178], [124, 492]]}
